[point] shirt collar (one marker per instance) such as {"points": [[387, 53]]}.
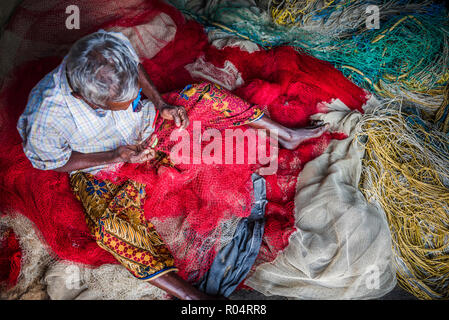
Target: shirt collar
{"points": [[66, 91]]}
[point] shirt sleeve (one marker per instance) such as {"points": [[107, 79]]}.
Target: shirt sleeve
{"points": [[46, 148], [148, 118]]}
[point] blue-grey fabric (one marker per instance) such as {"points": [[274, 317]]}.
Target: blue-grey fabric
{"points": [[234, 261]]}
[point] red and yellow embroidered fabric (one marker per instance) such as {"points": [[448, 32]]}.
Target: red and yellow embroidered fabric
{"points": [[210, 104], [115, 218], [224, 104]]}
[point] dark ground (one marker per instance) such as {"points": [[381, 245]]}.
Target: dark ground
{"points": [[396, 294]]}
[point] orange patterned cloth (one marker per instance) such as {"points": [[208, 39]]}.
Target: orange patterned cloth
{"points": [[116, 219]]}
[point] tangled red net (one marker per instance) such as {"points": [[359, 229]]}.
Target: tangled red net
{"points": [[196, 208]]}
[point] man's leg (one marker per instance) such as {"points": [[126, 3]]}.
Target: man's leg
{"points": [[232, 111], [178, 287], [289, 138]]}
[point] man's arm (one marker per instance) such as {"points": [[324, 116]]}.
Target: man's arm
{"points": [[131, 154], [149, 89], [169, 112]]}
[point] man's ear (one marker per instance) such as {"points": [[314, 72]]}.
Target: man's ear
{"points": [[76, 95]]}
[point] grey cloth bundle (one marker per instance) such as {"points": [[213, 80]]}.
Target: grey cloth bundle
{"points": [[234, 261]]}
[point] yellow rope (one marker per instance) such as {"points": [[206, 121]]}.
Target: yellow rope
{"points": [[444, 78], [444, 126], [286, 12], [407, 183]]}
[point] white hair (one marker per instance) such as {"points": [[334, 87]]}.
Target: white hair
{"points": [[102, 67]]}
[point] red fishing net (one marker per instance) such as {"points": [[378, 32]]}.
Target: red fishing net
{"points": [[195, 208], [10, 258]]}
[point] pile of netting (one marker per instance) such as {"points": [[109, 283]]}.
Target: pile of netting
{"points": [[195, 210], [406, 56], [407, 60], [297, 13], [406, 172], [10, 260], [442, 114]]}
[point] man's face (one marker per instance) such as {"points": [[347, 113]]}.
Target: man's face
{"points": [[113, 106], [117, 106]]}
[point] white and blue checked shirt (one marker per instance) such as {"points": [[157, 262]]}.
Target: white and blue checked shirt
{"points": [[55, 123]]}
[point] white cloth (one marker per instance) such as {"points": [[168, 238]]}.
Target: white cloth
{"points": [[228, 76], [221, 39], [150, 37], [342, 246]]}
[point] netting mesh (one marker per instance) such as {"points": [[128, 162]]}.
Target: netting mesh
{"points": [[42, 276], [405, 55], [38, 28], [10, 258], [35, 259], [195, 210]]}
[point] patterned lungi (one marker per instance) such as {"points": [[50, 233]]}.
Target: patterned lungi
{"points": [[116, 219], [226, 107]]}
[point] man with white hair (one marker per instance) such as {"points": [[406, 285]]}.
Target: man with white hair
{"points": [[88, 114], [85, 115]]}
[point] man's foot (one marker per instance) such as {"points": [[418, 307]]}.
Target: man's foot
{"points": [[298, 136]]}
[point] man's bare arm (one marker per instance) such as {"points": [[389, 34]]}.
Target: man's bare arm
{"points": [[149, 89], [176, 113], [132, 154]]}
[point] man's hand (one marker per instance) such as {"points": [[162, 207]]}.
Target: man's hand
{"points": [[177, 114], [134, 154]]}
